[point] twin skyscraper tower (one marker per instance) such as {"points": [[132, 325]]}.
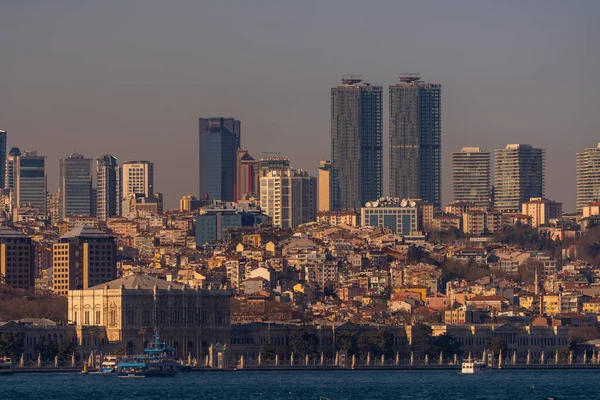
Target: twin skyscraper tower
{"points": [[357, 142]]}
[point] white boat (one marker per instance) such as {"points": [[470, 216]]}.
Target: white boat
{"points": [[6, 366], [470, 366], [109, 364]]}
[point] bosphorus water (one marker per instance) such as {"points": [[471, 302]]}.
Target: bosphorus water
{"points": [[333, 385]]}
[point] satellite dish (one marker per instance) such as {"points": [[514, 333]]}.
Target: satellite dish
{"points": [[413, 204], [368, 204], [404, 203], [376, 203]]}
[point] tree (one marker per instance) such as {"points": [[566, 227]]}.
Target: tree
{"points": [[304, 342], [445, 344], [268, 351], [497, 345], [347, 342], [46, 347], [377, 343], [415, 254], [11, 345], [65, 349]]}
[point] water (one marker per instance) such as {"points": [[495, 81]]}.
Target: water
{"points": [[290, 385]]}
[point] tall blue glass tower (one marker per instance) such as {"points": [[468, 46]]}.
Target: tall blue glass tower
{"points": [[219, 142]]}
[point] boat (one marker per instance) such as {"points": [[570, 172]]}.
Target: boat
{"points": [[6, 366], [471, 366], [109, 364], [157, 360]]}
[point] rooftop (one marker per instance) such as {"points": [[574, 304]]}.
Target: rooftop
{"points": [[138, 279], [7, 231], [86, 231]]}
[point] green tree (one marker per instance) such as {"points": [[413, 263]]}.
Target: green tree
{"points": [[11, 345], [46, 347], [497, 345], [303, 342], [268, 351], [377, 343], [445, 344], [347, 342], [65, 349]]}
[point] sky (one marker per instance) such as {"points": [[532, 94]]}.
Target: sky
{"points": [[132, 77]]}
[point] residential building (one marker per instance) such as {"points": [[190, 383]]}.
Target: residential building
{"points": [[288, 196], [335, 218], [2, 159], [190, 203], [30, 182], [109, 184], [324, 183], [17, 259], [471, 176], [356, 144], [82, 258], [138, 179], [519, 176], [416, 140], [541, 210], [75, 186], [588, 177], [219, 142], [247, 171]]}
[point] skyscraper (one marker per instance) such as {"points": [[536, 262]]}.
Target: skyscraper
{"points": [[17, 259], [30, 181], [471, 176], [219, 142], [138, 179], [288, 196], [356, 144], [519, 176], [247, 169], [416, 140], [324, 184], [75, 186], [588, 177], [11, 162], [2, 158], [108, 187]]}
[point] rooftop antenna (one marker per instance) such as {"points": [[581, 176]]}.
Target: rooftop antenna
{"points": [[350, 79], [409, 77]]}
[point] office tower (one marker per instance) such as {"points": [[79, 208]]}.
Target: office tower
{"points": [[2, 158], [519, 176], [108, 187], [471, 176], [30, 182], [356, 144], [82, 258], [219, 142], [324, 181], [138, 179], [588, 177], [246, 175], [17, 259], [288, 196], [416, 140], [11, 162], [75, 186]]}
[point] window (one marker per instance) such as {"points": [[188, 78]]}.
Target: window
{"points": [[97, 321], [86, 319]]}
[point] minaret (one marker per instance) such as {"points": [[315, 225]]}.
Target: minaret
{"points": [[536, 283]]}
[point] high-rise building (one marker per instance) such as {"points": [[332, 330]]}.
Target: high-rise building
{"points": [[247, 169], [541, 210], [471, 176], [288, 196], [108, 187], [219, 142], [75, 186], [519, 176], [356, 144], [138, 179], [2, 158], [416, 140], [588, 177], [17, 259], [11, 162], [82, 258], [324, 188], [30, 182]]}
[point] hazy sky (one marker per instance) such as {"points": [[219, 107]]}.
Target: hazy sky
{"points": [[131, 78]]}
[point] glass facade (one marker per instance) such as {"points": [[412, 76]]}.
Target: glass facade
{"points": [[401, 220], [471, 176], [30, 182], [356, 144], [219, 142], [108, 192], [75, 180], [416, 140], [2, 159]]}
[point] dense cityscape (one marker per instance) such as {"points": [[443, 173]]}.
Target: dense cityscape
{"points": [[267, 265]]}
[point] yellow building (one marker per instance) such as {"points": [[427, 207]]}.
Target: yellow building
{"points": [[550, 304], [591, 307], [324, 176], [337, 218]]}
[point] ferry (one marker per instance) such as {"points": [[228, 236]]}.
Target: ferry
{"points": [[470, 366], [6, 366], [158, 360], [109, 364]]}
